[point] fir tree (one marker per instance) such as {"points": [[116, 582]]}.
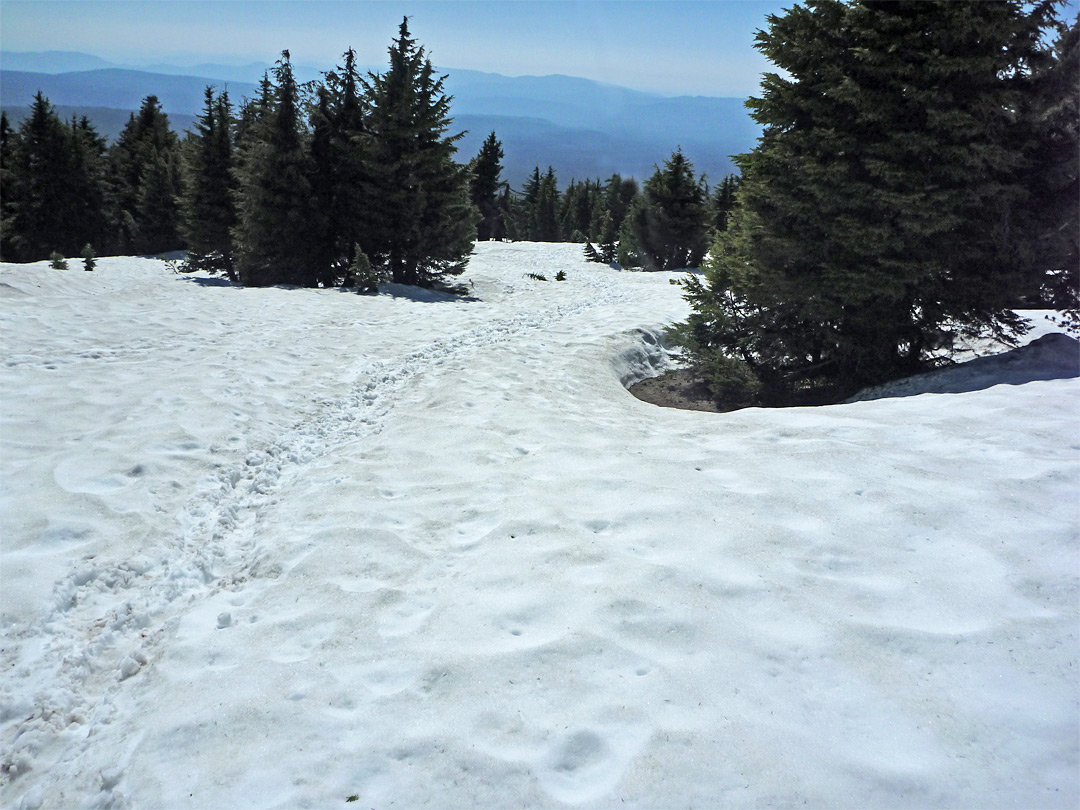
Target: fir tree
{"points": [[341, 154], [485, 187], [88, 256], [422, 222], [669, 224], [881, 205], [7, 176], [36, 198], [207, 203], [1054, 213], [147, 151], [722, 201], [272, 237], [544, 216]]}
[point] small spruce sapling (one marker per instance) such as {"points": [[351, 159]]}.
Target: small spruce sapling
{"points": [[560, 276], [88, 257], [362, 274], [57, 261]]}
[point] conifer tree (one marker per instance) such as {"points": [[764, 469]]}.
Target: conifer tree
{"points": [[7, 142], [36, 201], [147, 152], [341, 153], [207, 204], [1054, 184], [881, 204], [275, 216], [544, 216], [422, 223], [722, 201], [669, 224], [485, 187]]}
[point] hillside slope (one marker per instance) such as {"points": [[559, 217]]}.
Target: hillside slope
{"points": [[280, 548]]}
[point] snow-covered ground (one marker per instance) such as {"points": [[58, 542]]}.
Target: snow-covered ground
{"points": [[291, 548]]}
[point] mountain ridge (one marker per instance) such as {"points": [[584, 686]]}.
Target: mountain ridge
{"points": [[580, 127]]}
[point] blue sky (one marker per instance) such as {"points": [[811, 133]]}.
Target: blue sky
{"points": [[668, 46]]}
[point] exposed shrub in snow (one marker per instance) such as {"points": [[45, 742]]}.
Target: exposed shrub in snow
{"points": [[57, 261]]}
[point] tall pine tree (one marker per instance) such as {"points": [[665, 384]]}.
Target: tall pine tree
{"points": [[37, 203], [485, 189], [881, 205], [422, 223], [275, 216], [144, 182], [207, 204]]}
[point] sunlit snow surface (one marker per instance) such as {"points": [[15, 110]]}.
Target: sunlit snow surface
{"points": [[280, 548]]}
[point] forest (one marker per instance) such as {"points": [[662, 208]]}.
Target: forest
{"points": [[916, 181]]}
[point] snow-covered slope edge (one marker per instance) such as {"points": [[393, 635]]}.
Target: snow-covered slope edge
{"points": [[277, 548]]}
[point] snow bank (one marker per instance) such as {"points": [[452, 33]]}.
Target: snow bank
{"points": [[279, 548]]}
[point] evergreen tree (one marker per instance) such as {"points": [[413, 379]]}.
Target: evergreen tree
{"points": [[1054, 215], [275, 217], [422, 223], [37, 205], [207, 204], [669, 226], [341, 153], [147, 152], [86, 184], [485, 189], [881, 204], [722, 201], [7, 176], [88, 257], [544, 216], [576, 210]]}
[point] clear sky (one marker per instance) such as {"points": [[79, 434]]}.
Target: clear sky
{"points": [[668, 46]]}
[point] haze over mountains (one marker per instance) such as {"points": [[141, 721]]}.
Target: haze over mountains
{"points": [[582, 128]]}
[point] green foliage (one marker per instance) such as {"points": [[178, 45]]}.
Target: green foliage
{"points": [[88, 257], [722, 202], [560, 276], [57, 261], [486, 190], [144, 182], [53, 184], [361, 274], [885, 202], [275, 216], [668, 225], [207, 204], [422, 221]]}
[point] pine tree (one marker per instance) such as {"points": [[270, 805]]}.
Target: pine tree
{"points": [[422, 222], [881, 205], [669, 226], [275, 216], [147, 152], [86, 198], [722, 201], [544, 217], [36, 198], [1054, 227], [485, 187], [207, 204], [7, 177], [341, 154]]}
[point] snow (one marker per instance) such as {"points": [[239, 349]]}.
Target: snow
{"points": [[279, 548]]}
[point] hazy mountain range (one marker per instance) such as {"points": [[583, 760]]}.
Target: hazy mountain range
{"points": [[582, 128]]}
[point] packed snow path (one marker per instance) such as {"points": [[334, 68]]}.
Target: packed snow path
{"points": [[280, 548]]}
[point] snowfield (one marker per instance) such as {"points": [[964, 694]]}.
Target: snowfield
{"points": [[278, 548]]}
